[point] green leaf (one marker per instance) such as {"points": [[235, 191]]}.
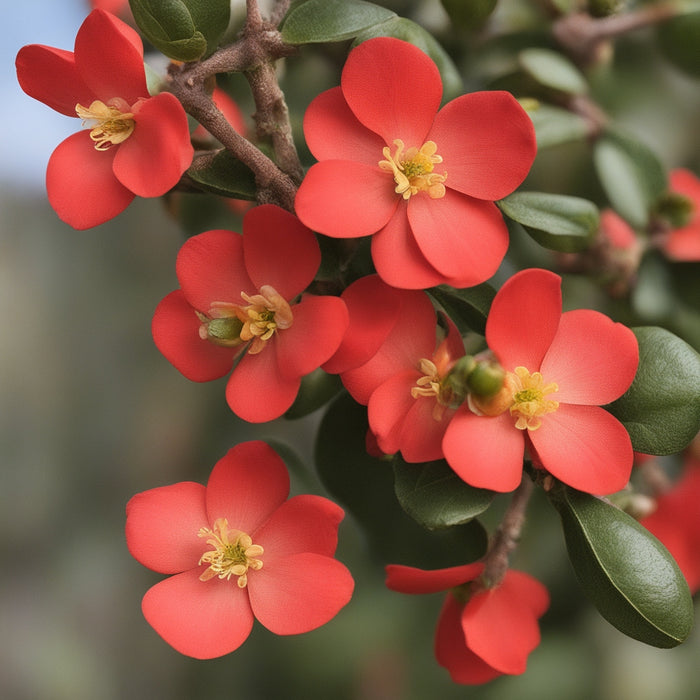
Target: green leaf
{"points": [[559, 222], [316, 390], [435, 497], [331, 20], [468, 308], [631, 175], [469, 15], [554, 125], [553, 70], [661, 410], [211, 18], [407, 30], [168, 25], [679, 38], [365, 486], [226, 176], [625, 571]]}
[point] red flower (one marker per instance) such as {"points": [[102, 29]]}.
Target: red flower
{"points": [[422, 180], [683, 243], [676, 522], [560, 369], [482, 632], [237, 292], [137, 145], [403, 383], [237, 549]]}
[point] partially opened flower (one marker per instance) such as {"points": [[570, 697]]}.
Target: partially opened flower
{"points": [[241, 293], [404, 384], [482, 632], [560, 369], [422, 181], [132, 145], [237, 550]]}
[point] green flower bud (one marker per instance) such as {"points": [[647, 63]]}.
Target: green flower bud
{"points": [[486, 379]]}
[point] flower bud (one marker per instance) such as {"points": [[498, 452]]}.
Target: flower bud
{"points": [[486, 379], [458, 377], [675, 208]]}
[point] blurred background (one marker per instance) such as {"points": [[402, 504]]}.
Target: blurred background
{"points": [[91, 414]]}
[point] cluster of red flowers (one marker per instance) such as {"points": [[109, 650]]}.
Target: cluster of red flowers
{"points": [[422, 181]]}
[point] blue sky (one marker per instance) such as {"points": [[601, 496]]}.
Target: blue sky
{"points": [[33, 130]]}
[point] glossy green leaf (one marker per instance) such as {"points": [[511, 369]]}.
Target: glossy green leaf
{"points": [[226, 176], [468, 308], [625, 571], [211, 18], [435, 497], [559, 222], [364, 485], [331, 20], [471, 14], [407, 30], [554, 125], [679, 39], [168, 25], [317, 389], [661, 410], [553, 70], [631, 175]]}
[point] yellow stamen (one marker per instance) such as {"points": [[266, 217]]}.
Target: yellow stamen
{"points": [[413, 170], [529, 400], [109, 125], [431, 385], [233, 553], [266, 312]]}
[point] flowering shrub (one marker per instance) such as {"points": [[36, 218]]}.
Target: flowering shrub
{"points": [[439, 368]]}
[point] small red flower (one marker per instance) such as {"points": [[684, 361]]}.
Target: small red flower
{"points": [[238, 293], [422, 180], [236, 550], [683, 243], [676, 522], [482, 632], [561, 368], [136, 145]]}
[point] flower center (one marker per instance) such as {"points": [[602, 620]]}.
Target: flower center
{"points": [[431, 385], [529, 399], [413, 170], [109, 125], [233, 553]]}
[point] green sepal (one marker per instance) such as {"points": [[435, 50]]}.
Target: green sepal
{"points": [[556, 221], [184, 30], [364, 485], [553, 70], [661, 410], [631, 175], [317, 21], [554, 125], [435, 497], [317, 389], [226, 176], [625, 571], [468, 308]]}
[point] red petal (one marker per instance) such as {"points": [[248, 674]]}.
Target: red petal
{"points": [[299, 593], [686, 182], [162, 527], [397, 257], [487, 143], [318, 328], [485, 452], [102, 43], [585, 447], [279, 250], [367, 329], [422, 435], [151, 161], [393, 88], [301, 524], [451, 649], [461, 237], [247, 485], [333, 132], [203, 619], [81, 186], [257, 391], [524, 318], [346, 199], [408, 579], [411, 339], [499, 628], [210, 268], [50, 76], [592, 359], [175, 329], [684, 244]]}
